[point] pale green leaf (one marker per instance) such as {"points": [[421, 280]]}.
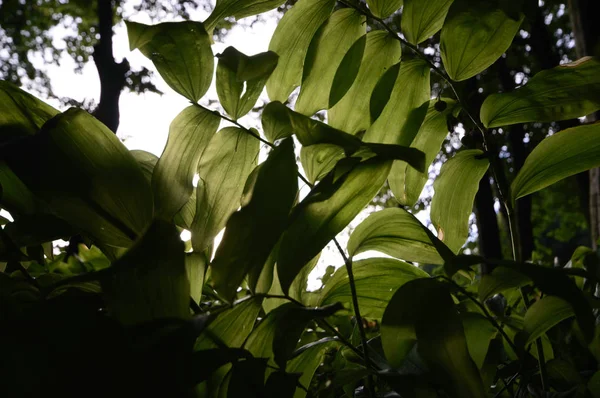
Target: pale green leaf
{"points": [[325, 54], [565, 92], [384, 8], [238, 9], [376, 280], [181, 53], [291, 40], [559, 156], [455, 190], [224, 168], [352, 113], [422, 19], [189, 134], [475, 34], [324, 213], [479, 333], [544, 314], [195, 265]]}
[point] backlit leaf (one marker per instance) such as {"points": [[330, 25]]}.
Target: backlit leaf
{"points": [[384, 8], [499, 280], [479, 333], [544, 314], [307, 363], [275, 121], [318, 160], [422, 19], [238, 9], [147, 162]]}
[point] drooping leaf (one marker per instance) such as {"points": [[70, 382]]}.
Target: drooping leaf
{"points": [[561, 155], [252, 232], [241, 79], [479, 333], [565, 92], [307, 363], [499, 280], [291, 40], [422, 19], [407, 182], [384, 8], [15, 196], [376, 280], [275, 121], [196, 264], [475, 34], [150, 280], [411, 316], [320, 217], [174, 47], [325, 54], [397, 233], [230, 156], [189, 135], [543, 315], [455, 190], [106, 194], [318, 160], [147, 162], [238, 9], [350, 110]]}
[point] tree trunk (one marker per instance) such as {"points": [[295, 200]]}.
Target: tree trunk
{"points": [[112, 74]]}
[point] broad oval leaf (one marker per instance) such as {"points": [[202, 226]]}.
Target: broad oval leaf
{"points": [[422, 19], [376, 280], [559, 156], [238, 9], [479, 333], [230, 157], [324, 213], [189, 134], [275, 121], [318, 160], [499, 280], [475, 34], [455, 190], [325, 54], [384, 8], [409, 318], [252, 232], [397, 233], [544, 314], [291, 40], [181, 53], [565, 92], [352, 113]]}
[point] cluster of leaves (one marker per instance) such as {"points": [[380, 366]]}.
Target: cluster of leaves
{"points": [[131, 302]]}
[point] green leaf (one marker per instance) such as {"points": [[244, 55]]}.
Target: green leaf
{"points": [[291, 40], [352, 113], [593, 385], [411, 316], [189, 135], [246, 243], [173, 47], [35, 229], [321, 216], [565, 92], [147, 162], [559, 156], [238, 9], [307, 363], [479, 333], [407, 182], [376, 280], [501, 279], [383, 91], [545, 314], [422, 19], [229, 158], [384, 8], [475, 34], [196, 264], [101, 189], [241, 79], [397, 233], [319, 159], [247, 378], [15, 196], [325, 54], [150, 280], [455, 190], [347, 71], [276, 122]]}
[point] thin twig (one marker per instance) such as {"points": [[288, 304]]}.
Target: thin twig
{"points": [[247, 130]]}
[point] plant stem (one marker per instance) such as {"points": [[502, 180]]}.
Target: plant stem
{"points": [[247, 130]]}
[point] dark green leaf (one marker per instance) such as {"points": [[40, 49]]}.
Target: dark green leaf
{"points": [[544, 314], [319, 159], [291, 40], [281, 385], [275, 121], [479, 333], [383, 90], [247, 378], [565, 92], [15, 196], [422, 19], [561, 155], [384, 8], [455, 190], [238, 9], [147, 162], [307, 363], [189, 135], [475, 34], [31, 230], [499, 280], [196, 264], [206, 362]]}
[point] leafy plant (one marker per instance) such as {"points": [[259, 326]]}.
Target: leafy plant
{"points": [[129, 308]]}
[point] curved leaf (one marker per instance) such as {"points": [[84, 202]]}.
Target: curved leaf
{"points": [[147, 162], [384, 8], [324, 213], [189, 134], [479, 333], [455, 190], [173, 47], [307, 363], [325, 54], [352, 113], [422, 19], [559, 156], [275, 121], [397, 233], [318, 160], [475, 34], [238, 9], [376, 280], [230, 157], [544, 314], [499, 280], [565, 92], [291, 40]]}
